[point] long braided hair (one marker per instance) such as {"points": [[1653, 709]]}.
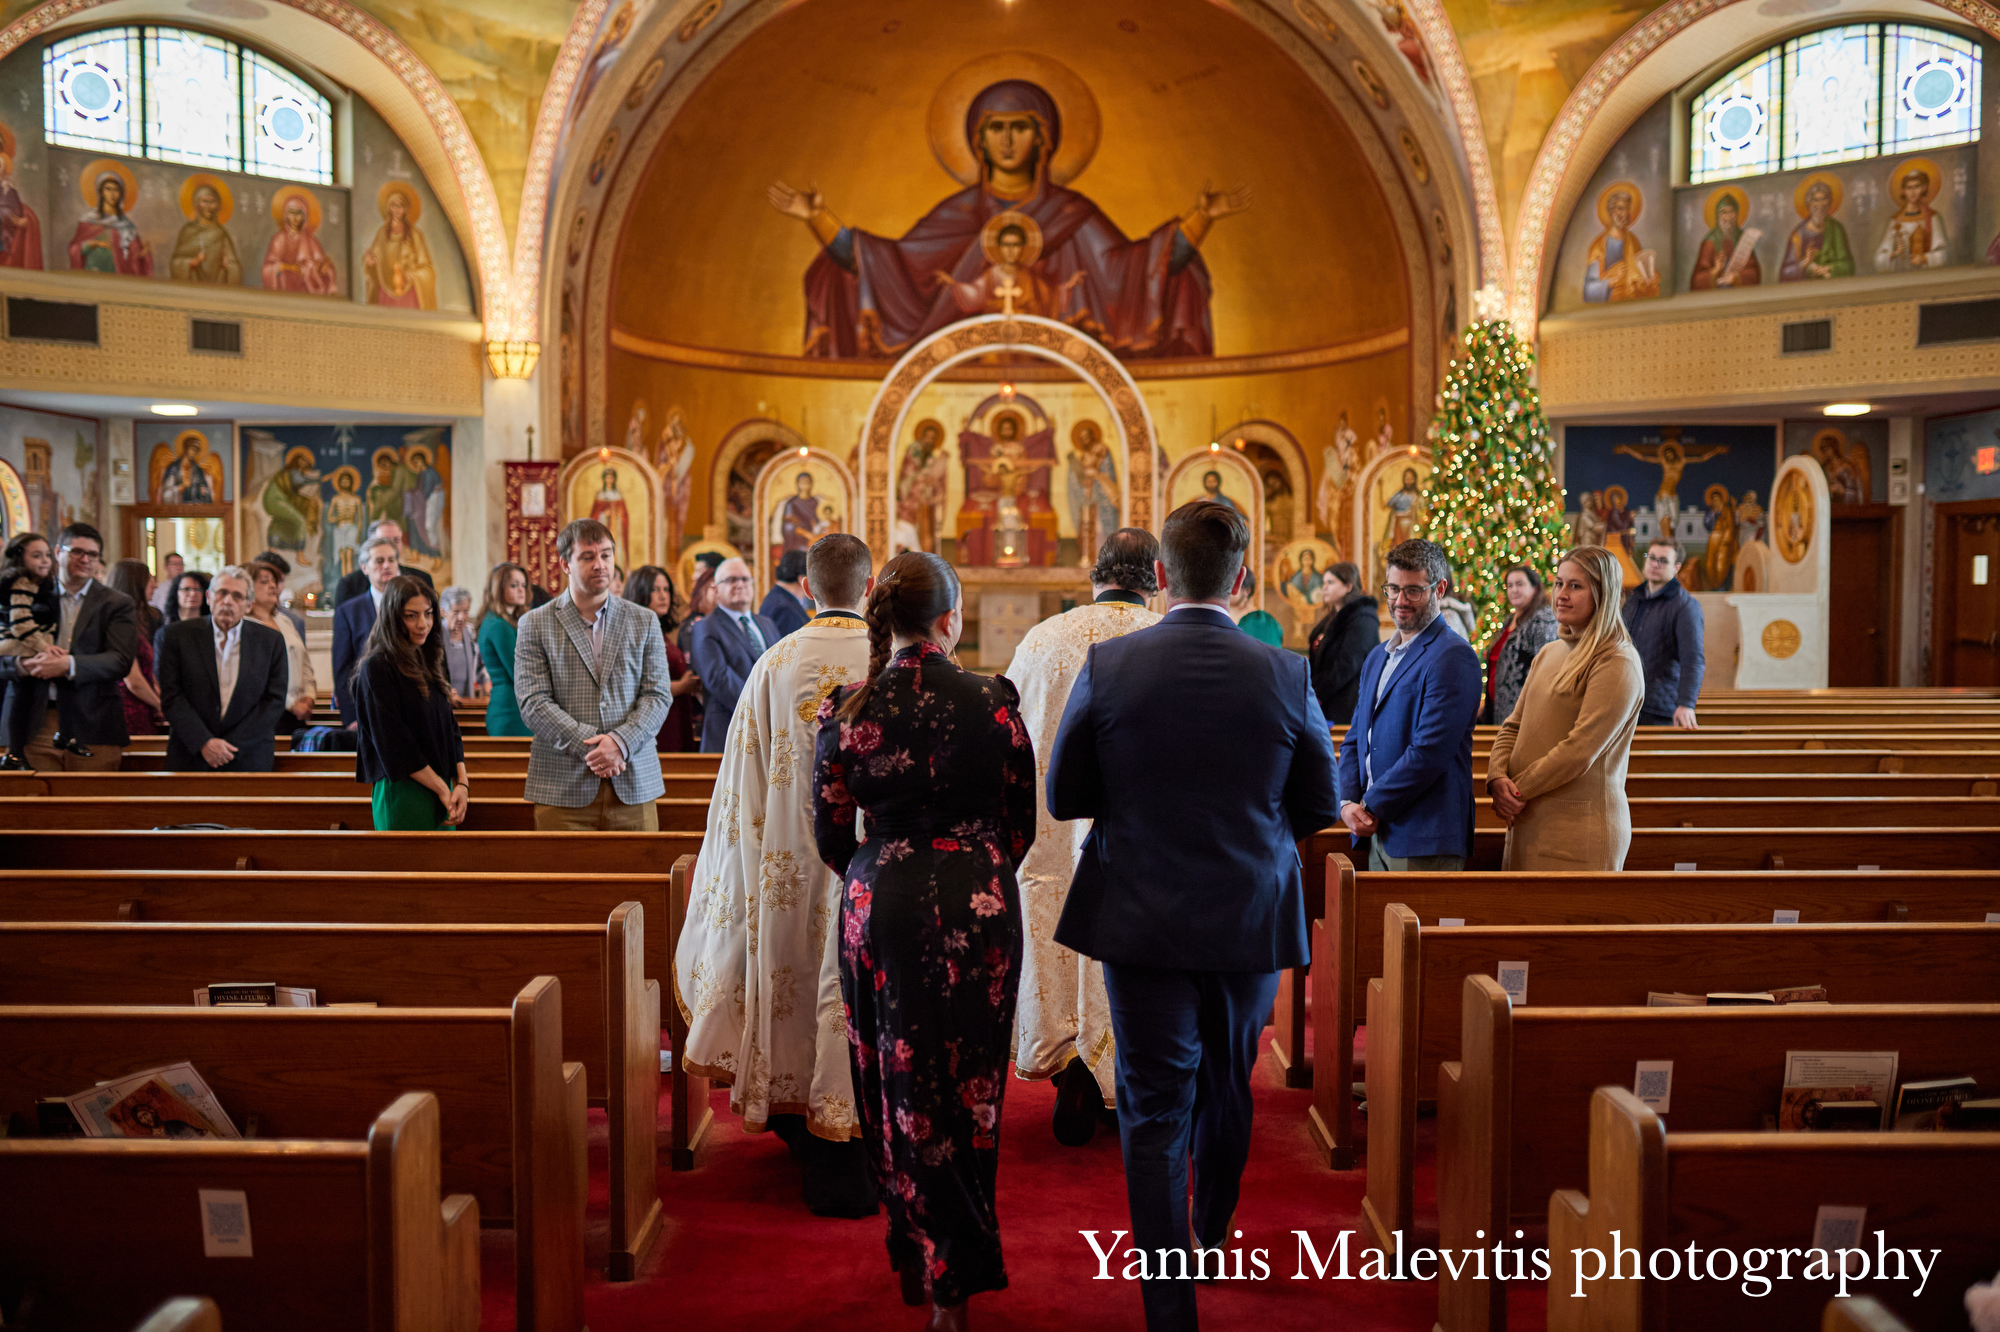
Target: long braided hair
{"points": [[911, 592]]}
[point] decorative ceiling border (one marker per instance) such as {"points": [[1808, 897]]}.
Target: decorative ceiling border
{"points": [[477, 196], [1558, 157], [531, 239], [1448, 63]]}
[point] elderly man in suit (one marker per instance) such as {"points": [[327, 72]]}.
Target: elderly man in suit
{"points": [[94, 649], [727, 642], [355, 618], [1406, 763], [222, 684], [591, 671], [361, 580], [1189, 888]]}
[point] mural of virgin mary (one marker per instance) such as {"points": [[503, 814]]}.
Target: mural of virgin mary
{"points": [[871, 296]]}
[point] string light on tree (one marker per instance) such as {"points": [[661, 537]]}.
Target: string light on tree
{"points": [[1493, 498]]}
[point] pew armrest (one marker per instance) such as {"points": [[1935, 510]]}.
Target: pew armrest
{"points": [[1569, 1228], [461, 1263]]}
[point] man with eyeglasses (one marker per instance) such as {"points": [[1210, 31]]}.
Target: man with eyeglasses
{"points": [[1665, 622], [94, 651], [1404, 771], [727, 642]]}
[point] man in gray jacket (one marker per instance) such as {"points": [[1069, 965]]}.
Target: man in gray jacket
{"points": [[591, 671]]}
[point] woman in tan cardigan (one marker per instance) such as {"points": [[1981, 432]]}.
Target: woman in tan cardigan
{"points": [[1557, 771]]}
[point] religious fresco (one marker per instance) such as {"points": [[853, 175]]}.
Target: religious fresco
{"points": [[618, 489], [204, 251], [183, 462], [1293, 586], [739, 514], [310, 492], [382, 165], [673, 456], [1792, 512], [1962, 457], [1091, 473], [20, 225], [1008, 451], [1854, 455], [804, 500], [1013, 130], [1399, 507], [1620, 241], [397, 264], [57, 462], [922, 490], [1701, 484], [1219, 483]]}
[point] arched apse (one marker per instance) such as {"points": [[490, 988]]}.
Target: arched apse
{"points": [[1671, 47], [347, 45]]}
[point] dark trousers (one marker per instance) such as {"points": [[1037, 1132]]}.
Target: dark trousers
{"points": [[1656, 718], [1187, 1041]]}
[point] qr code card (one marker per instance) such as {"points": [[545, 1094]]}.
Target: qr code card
{"points": [[1836, 1228], [225, 1223], [1513, 978], [1653, 1084]]}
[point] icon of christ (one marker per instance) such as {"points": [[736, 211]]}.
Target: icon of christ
{"points": [[871, 296]]}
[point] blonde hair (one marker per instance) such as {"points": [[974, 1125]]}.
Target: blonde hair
{"points": [[1606, 630]]}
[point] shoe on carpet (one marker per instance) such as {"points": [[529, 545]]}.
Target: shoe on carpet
{"points": [[1077, 1104]]}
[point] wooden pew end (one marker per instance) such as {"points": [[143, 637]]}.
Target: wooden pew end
{"points": [[461, 1263], [1569, 1214]]}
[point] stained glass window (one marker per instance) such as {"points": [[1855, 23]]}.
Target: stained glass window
{"points": [[177, 95], [1836, 95], [1735, 130], [1833, 89], [90, 91], [1933, 87]]}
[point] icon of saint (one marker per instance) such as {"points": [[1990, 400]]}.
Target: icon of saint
{"points": [[1818, 245]]}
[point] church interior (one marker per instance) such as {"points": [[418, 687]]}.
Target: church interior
{"points": [[993, 279]]}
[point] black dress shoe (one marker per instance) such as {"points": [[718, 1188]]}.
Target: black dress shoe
{"points": [[836, 1177], [1077, 1104], [72, 744], [14, 763]]}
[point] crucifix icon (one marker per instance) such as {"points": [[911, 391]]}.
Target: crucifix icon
{"points": [[1007, 293]]}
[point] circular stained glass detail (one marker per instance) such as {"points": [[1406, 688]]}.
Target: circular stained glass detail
{"points": [[1934, 88], [287, 124], [90, 91], [1736, 122]]}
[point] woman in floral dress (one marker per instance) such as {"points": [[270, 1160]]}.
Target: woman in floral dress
{"points": [[938, 761]]}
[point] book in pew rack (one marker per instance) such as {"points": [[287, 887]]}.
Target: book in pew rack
{"points": [[171, 1101]]}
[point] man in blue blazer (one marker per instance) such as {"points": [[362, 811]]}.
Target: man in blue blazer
{"points": [[785, 605], [726, 644], [1203, 757], [1406, 764], [354, 619]]}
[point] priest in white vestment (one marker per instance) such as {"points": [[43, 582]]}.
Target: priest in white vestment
{"points": [[1062, 1025], [757, 970]]}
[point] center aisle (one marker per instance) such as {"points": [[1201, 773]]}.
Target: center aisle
{"points": [[740, 1249]]}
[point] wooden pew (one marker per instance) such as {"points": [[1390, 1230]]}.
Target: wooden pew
{"points": [[352, 813], [360, 897], [1752, 847], [692, 1114], [1821, 761], [508, 785], [512, 1116], [1415, 1008], [1743, 1191], [414, 853], [345, 1233], [610, 1024], [1514, 1112], [1348, 942], [187, 1313]]}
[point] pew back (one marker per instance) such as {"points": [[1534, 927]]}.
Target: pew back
{"points": [[299, 852]]}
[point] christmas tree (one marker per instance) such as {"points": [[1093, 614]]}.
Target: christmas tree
{"points": [[1494, 498]]}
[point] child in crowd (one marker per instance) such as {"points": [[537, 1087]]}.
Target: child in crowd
{"points": [[33, 618]]}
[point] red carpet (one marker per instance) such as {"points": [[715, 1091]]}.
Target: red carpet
{"points": [[741, 1252]]}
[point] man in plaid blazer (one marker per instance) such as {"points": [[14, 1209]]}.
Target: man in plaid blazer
{"points": [[591, 671]]}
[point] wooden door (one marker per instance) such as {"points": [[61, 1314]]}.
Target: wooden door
{"points": [[1965, 636], [1866, 539]]}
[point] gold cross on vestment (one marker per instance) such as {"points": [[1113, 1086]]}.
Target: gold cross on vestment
{"points": [[1007, 293]]}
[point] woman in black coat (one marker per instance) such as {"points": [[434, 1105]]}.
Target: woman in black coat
{"points": [[1341, 642]]}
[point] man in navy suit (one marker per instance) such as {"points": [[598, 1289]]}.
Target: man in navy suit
{"points": [[1203, 757], [785, 605], [355, 618], [726, 644], [1406, 764]]}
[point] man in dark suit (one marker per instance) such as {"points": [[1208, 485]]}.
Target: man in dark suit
{"points": [[222, 684], [354, 584], [727, 642], [785, 604], [354, 618], [1188, 887], [1406, 763], [94, 649]]}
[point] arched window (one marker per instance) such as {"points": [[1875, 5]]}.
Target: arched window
{"points": [[1836, 95], [177, 95]]}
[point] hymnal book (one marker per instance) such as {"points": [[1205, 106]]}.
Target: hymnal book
{"points": [[1981, 1116], [1674, 999], [1728, 999], [1844, 1117], [167, 1102], [1797, 994], [1861, 1075], [255, 994], [1921, 1105], [54, 1118], [1800, 1109], [1800, 994]]}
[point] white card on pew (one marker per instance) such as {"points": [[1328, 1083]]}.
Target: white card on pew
{"points": [[1513, 977], [1869, 869], [1458, 922], [1653, 1084], [1685, 867], [1837, 1228], [1993, 918], [1784, 917], [225, 1223]]}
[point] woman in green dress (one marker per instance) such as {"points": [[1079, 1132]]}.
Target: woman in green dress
{"points": [[407, 742], [506, 600]]}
